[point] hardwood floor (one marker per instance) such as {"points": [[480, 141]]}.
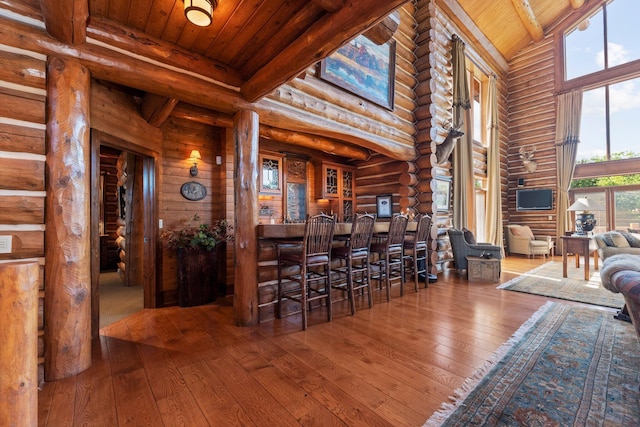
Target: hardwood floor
{"points": [[390, 365]]}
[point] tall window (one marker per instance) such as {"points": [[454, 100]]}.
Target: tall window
{"points": [[605, 39], [602, 41], [602, 57], [478, 81]]}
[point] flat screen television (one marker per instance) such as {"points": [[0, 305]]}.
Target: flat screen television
{"points": [[535, 199]]}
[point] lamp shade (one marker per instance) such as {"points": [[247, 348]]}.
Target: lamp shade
{"points": [[195, 155], [200, 12], [584, 205]]}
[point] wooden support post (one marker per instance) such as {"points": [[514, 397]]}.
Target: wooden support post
{"points": [[67, 236], [245, 299], [19, 338]]}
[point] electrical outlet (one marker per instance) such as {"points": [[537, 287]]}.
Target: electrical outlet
{"points": [[160, 223], [5, 244], [550, 218]]}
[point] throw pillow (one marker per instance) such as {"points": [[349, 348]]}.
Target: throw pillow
{"points": [[522, 231], [632, 238], [618, 240], [468, 236]]}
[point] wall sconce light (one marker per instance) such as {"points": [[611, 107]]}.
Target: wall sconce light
{"points": [[194, 157], [200, 12]]}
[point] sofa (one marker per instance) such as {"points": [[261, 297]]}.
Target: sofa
{"points": [[617, 242], [620, 273], [520, 240]]}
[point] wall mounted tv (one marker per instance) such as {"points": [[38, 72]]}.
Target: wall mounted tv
{"points": [[535, 199]]}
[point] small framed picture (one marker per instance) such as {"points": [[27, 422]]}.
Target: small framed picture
{"points": [[384, 207]]}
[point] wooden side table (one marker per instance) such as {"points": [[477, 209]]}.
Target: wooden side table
{"points": [[579, 246], [483, 269]]}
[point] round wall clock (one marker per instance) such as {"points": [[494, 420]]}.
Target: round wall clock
{"points": [[193, 191]]}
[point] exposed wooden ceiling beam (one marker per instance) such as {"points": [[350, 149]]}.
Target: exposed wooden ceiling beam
{"points": [[327, 145], [156, 109], [320, 40], [385, 29], [330, 5], [66, 20], [528, 18], [137, 42], [576, 4]]}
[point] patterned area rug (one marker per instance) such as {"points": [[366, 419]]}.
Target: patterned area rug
{"points": [[547, 280], [566, 366]]}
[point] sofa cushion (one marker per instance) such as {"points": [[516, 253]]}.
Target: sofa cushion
{"points": [[633, 239], [615, 239], [522, 231], [468, 236]]}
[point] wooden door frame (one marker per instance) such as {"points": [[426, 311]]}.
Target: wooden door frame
{"points": [[151, 165]]}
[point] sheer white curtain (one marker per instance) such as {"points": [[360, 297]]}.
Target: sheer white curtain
{"points": [[463, 185], [494, 232], [567, 138]]}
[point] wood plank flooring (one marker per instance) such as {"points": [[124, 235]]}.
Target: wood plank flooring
{"points": [[392, 365]]}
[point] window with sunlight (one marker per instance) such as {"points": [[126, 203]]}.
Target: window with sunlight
{"points": [[602, 41]]}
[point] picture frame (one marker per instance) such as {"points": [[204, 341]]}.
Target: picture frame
{"points": [[364, 69], [384, 206], [442, 194]]}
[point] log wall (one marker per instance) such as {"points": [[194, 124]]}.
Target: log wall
{"points": [[179, 138], [22, 165], [433, 110], [532, 122]]}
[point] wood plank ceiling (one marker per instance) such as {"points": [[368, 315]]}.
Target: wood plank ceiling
{"points": [[256, 45]]}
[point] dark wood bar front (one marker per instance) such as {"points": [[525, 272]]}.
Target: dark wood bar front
{"points": [[268, 235]]}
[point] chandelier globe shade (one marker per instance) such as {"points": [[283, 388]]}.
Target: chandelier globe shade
{"points": [[200, 12]]}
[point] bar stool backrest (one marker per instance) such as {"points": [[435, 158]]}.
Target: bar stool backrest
{"points": [[318, 236], [422, 229], [397, 229], [361, 232]]}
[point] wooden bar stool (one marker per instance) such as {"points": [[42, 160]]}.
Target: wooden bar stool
{"points": [[312, 258], [355, 274], [416, 253], [389, 264]]}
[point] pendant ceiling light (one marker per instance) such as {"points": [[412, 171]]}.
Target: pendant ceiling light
{"points": [[200, 12]]}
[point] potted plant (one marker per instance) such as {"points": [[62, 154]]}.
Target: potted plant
{"points": [[200, 252]]}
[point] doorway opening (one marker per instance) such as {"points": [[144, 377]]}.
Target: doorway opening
{"points": [[124, 222]]}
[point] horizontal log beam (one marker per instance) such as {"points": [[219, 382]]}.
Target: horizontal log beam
{"points": [[201, 115], [384, 30], [140, 43]]}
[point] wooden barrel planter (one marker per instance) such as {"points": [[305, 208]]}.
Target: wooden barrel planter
{"points": [[198, 275]]}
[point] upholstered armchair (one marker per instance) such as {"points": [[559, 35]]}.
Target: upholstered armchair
{"points": [[463, 244], [520, 240]]}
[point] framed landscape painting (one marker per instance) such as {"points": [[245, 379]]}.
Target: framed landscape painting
{"points": [[363, 68]]}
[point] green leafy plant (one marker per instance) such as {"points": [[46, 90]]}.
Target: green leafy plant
{"points": [[200, 237]]}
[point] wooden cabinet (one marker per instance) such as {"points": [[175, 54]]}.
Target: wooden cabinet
{"points": [[336, 183]]}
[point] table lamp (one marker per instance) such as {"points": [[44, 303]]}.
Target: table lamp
{"points": [[585, 220]]}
